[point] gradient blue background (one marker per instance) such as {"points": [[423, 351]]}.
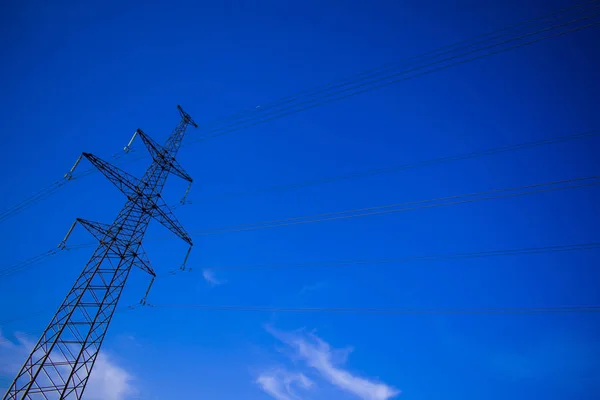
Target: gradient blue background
{"points": [[79, 77]]}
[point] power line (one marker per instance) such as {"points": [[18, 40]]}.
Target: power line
{"points": [[396, 77], [487, 195], [406, 260], [494, 194], [377, 71], [391, 311], [464, 44], [371, 262], [25, 316], [403, 167], [358, 84], [412, 205], [53, 188], [375, 310], [560, 310], [33, 199], [413, 259], [29, 262], [50, 190]]}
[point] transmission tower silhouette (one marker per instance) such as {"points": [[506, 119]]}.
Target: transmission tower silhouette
{"points": [[60, 364]]}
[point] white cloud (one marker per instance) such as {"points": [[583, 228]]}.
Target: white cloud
{"points": [[210, 277], [318, 355], [108, 381], [278, 383]]}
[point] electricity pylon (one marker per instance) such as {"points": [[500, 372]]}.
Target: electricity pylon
{"points": [[60, 364]]}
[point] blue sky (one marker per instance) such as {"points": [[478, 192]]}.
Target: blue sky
{"points": [[82, 77]]}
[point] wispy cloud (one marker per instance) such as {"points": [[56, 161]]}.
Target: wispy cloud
{"points": [[210, 277], [319, 355], [108, 381], [278, 383]]}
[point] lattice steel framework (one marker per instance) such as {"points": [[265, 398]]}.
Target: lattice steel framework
{"points": [[60, 364]]}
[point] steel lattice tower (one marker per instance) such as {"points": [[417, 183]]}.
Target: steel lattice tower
{"points": [[60, 363]]}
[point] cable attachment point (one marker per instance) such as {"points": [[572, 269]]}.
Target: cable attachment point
{"points": [[63, 244], [144, 302], [128, 147], [183, 199], [69, 175], [187, 255]]}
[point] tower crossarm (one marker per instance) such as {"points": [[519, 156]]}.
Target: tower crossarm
{"points": [[131, 186], [162, 156]]}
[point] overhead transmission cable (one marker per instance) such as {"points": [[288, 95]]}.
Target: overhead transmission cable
{"points": [[50, 253], [363, 85], [377, 71], [373, 79], [384, 311], [414, 259], [411, 205], [494, 194], [55, 187], [406, 166], [401, 167], [487, 195], [372, 262], [377, 310], [28, 263], [391, 311]]}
